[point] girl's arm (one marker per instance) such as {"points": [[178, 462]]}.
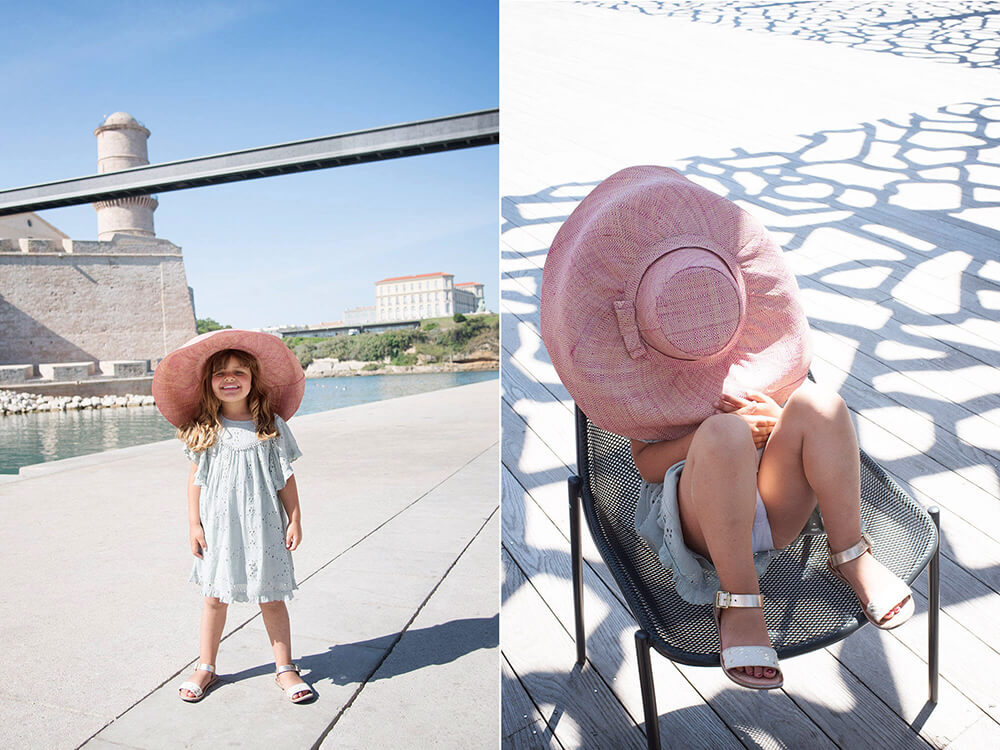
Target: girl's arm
{"points": [[653, 459], [289, 497], [195, 532]]}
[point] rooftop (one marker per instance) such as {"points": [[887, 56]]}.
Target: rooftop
{"points": [[411, 278]]}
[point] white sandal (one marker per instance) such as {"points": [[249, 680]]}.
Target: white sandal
{"points": [[886, 600], [298, 687], [197, 691], [746, 656]]}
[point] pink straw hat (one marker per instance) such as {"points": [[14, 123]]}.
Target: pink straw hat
{"points": [[658, 296], [177, 379]]}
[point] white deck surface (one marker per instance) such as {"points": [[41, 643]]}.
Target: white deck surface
{"points": [[873, 155]]}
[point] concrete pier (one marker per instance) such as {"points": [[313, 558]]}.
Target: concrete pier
{"points": [[395, 623]]}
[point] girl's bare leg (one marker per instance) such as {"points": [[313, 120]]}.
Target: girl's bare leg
{"points": [[279, 630], [213, 622], [812, 456], [716, 501]]}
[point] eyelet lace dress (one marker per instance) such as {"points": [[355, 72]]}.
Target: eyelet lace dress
{"points": [[243, 519], [658, 521]]}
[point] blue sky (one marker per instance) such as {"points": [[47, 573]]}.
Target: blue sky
{"points": [[208, 77]]}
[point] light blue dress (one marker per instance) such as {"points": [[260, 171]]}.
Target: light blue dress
{"points": [[243, 519]]}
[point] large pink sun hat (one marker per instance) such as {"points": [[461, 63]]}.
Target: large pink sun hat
{"points": [[658, 296], [177, 379]]}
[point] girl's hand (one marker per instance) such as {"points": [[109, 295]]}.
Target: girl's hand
{"points": [[198, 541], [759, 410], [756, 403], [760, 427], [293, 535]]}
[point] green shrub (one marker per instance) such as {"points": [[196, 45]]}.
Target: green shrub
{"points": [[459, 318], [372, 366], [404, 359], [438, 339], [204, 325]]}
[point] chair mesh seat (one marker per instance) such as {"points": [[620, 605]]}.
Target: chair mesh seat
{"points": [[805, 606]]}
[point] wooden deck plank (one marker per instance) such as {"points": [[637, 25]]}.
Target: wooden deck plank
{"points": [[575, 702], [899, 268], [543, 554], [523, 727], [984, 677], [882, 666]]}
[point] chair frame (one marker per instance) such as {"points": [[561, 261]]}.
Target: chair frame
{"points": [[580, 494]]}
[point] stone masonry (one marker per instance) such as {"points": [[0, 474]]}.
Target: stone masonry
{"points": [[71, 310], [74, 301]]}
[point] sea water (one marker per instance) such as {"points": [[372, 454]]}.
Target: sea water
{"points": [[49, 436]]}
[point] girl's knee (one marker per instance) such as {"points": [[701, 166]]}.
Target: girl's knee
{"points": [[723, 433], [275, 606], [212, 602], [814, 402]]}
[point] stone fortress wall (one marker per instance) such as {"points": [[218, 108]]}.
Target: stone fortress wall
{"points": [[72, 309], [74, 301]]}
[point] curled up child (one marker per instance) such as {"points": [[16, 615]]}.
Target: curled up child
{"points": [[673, 320], [229, 393]]}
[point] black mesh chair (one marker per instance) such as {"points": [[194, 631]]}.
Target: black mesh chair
{"points": [[804, 604]]}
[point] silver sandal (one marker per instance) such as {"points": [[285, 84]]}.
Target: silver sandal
{"points": [[746, 656], [298, 687], [197, 691], [894, 595]]}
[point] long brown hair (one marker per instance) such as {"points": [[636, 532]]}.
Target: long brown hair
{"points": [[199, 434]]}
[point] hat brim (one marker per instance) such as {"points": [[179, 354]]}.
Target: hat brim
{"points": [[596, 261], [177, 379]]}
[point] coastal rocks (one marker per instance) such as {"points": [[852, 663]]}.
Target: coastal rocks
{"points": [[23, 403], [325, 368]]}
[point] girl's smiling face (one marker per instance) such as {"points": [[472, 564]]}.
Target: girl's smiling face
{"points": [[231, 382]]}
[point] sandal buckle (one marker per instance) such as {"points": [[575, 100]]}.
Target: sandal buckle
{"points": [[724, 600]]}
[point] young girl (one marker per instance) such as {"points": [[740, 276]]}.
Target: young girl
{"points": [[671, 318], [228, 392]]}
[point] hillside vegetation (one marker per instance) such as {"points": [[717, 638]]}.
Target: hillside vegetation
{"points": [[437, 340]]}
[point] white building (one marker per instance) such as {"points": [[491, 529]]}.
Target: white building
{"points": [[469, 297], [428, 295], [360, 315]]}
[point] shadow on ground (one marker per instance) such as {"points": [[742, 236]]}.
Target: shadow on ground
{"points": [[892, 228], [424, 647], [962, 33]]}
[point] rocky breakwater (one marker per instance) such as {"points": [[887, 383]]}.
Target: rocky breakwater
{"points": [[23, 403]]}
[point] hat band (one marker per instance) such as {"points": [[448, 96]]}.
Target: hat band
{"points": [[626, 311], [629, 328]]}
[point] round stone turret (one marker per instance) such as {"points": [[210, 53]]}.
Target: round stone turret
{"points": [[121, 144]]}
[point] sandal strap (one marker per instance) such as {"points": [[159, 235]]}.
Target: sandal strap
{"points": [[749, 656], [887, 599], [286, 668], [299, 687], [851, 553], [724, 600], [206, 668], [196, 690]]}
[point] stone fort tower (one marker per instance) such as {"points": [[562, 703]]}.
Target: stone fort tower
{"points": [[79, 309], [121, 144]]}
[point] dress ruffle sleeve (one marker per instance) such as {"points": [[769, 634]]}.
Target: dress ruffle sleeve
{"points": [[201, 461], [283, 450]]}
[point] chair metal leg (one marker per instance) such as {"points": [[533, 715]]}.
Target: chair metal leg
{"points": [[576, 563], [934, 607], [649, 711]]}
